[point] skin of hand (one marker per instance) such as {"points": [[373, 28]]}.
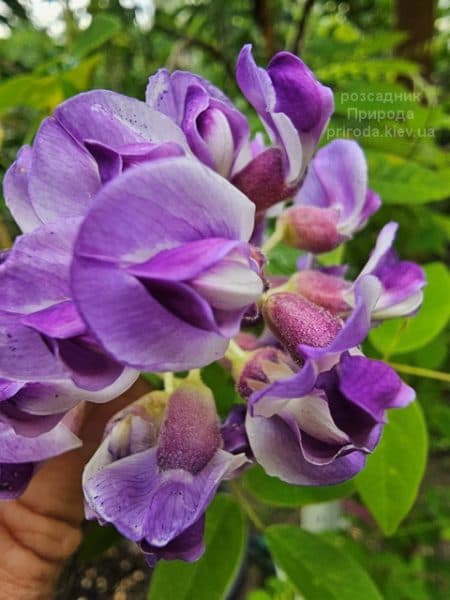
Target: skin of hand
{"points": [[42, 529]]}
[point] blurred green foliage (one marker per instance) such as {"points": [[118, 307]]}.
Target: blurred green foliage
{"points": [[351, 47]]}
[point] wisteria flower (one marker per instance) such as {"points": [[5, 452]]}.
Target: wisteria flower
{"points": [[42, 336], [402, 281], [90, 139], [215, 130], [295, 109], [179, 275], [158, 469], [335, 195], [316, 428]]}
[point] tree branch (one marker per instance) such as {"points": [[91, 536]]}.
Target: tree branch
{"points": [[301, 28], [201, 44]]}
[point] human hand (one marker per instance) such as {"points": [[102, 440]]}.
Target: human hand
{"points": [[42, 528]]}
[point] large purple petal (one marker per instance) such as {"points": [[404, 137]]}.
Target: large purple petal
{"points": [[114, 119], [24, 356], [167, 203], [36, 272], [134, 327], [64, 177], [15, 190], [372, 385], [277, 450], [20, 449]]}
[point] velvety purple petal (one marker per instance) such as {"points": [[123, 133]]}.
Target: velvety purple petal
{"points": [[64, 176], [15, 191], [296, 89], [277, 450], [372, 385], [168, 202], [114, 119], [357, 325], [19, 449], [36, 272], [135, 328], [59, 320]]}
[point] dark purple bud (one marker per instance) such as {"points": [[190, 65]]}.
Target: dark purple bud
{"points": [[295, 320], [190, 434]]}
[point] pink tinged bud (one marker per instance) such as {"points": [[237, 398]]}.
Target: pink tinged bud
{"points": [[215, 130], [295, 320], [190, 433], [265, 366], [323, 289], [310, 228]]}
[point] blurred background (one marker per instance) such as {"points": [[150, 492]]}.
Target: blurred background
{"points": [[387, 62]]}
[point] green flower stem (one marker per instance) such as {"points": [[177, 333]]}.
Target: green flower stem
{"points": [[247, 507], [421, 372]]}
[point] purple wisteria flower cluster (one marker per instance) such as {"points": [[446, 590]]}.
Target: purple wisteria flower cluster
{"points": [[144, 249]]}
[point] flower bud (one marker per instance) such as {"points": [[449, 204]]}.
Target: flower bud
{"points": [[310, 228], [295, 320], [264, 366], [322, 289]]}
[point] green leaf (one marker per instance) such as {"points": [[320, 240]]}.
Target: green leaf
{"points": [[102, 28], [282, 260], [389, 484], [317, 569], [223, 387], [405, 335], [212, 576], [401, 181], [271, 490]]}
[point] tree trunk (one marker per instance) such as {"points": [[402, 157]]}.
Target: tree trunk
{"points": [[416, 18]]}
